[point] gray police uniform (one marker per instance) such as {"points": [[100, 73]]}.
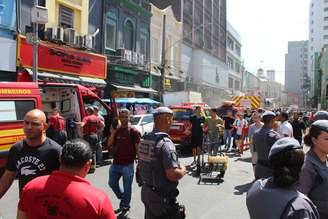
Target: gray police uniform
{"points": [[265, 200], [158, 193], [314, 182], [263, 140]]}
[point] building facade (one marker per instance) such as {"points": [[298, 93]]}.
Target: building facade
{"points": [[296, 70], [251, 84], [323, 87], [125, 30], [318, 34], [8, 30], [173, 47], [234, 60], [271, 75]]}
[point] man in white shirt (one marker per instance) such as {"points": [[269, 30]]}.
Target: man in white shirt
{"points": [[239, 124], [285, 129]]}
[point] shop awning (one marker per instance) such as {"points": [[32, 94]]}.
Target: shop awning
{"points": [[135, 88], [55, 77]]}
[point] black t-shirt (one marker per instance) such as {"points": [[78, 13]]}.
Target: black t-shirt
{"points": [[196, 128], [31, 162], [228, 122], [298, 126]]}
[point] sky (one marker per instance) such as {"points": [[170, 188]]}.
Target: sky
{"points": [[265, 27]]}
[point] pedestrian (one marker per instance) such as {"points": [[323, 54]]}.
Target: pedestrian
{"points": [[99, 151], [228, 126], [263, 139], [160, 170], [34, 156], [314, 175], [213, 125], [91, 125], [298, 127], [239, 124], [257, 124], [57, 127], [197, 122], [66, 193], [123, 144], [276, 197], [285, 129]]}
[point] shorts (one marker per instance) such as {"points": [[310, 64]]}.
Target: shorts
{"points": [[238, 137], [196, 141]]}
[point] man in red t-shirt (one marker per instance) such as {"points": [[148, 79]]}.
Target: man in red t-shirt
{"points": [[56, 130], [66, 193], [124, 146]]}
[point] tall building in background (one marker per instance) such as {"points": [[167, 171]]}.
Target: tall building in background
{"points": [[271, 75], [318, 34], [296, 80]]}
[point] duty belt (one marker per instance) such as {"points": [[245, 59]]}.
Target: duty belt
{"points": [[264, 163], [164, 192]]}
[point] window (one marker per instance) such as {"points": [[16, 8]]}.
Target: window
{"points": [[238, 51], [325, 37], [13, 110], [66, 17], [326, 18], [237, 67], [110, 33], [230, 63], [143, 43], [326, 1], [154, 50], [128, 35], [230, 43], [230, 83], [237, 85], [326, 9], [147, 120], [325, 27]]}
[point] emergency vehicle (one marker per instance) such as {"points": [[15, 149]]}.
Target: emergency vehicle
{"points": [[251, 102], [17, 98]]}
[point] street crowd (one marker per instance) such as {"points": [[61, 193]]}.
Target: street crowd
{"points": [[289, 157]]}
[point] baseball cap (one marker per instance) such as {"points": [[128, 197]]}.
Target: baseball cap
{"points": [[284, 144]]}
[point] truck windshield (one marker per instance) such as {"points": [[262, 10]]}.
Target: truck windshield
{"points": [[182, 114]]}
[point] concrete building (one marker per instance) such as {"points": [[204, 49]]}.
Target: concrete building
{"points": [[251, 84], [234, 60], [271, 75], [296, 70], [271, 92], [173, 47], [7, 40], [318, 34]]}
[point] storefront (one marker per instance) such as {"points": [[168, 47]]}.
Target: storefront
{"points": [[61, 64]]}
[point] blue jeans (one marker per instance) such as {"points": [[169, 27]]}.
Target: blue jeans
{"points": [[227, 138], [115, 173]]}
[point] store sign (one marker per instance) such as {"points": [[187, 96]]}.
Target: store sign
{"points": [[53, 58]]}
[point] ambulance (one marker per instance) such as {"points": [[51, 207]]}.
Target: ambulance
{"points": [[17, 98]]}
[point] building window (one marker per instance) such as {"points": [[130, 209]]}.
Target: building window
{"points": [[326, 1], [230, 63], [154, 50], [110, 33], [230, 83], [238, 51], [128, 35], [230, 43], [326, 18], [237, 85], [66, 17], [237, 67], [312, 22], [325, 9], [143, 43], [325, 27], [325, 37]]}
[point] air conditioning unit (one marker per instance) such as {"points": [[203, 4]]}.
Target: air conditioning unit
{"points": [[80, 41], [124, 55], [141, 59], [55, 34], [134, 58], [69, 36], [90, 41]]}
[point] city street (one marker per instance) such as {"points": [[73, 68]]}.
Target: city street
{"points": [[205, 201]]}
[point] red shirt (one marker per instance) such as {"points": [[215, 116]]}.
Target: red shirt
{"points": [[125, 140], [91, 124], [57, 122], [62, 196]]}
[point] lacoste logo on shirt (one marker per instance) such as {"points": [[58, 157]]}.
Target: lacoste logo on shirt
{"points": [[26, 171]]}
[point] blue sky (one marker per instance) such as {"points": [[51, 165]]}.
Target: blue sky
{"points": [[266, 26]]}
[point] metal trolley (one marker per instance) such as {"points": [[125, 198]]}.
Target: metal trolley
{"points": [[211, 168]]}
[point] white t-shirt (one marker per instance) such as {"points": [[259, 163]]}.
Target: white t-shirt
{"points": [[240, 125], [286, 129]]}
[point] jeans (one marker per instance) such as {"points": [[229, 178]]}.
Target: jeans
{"points": [[115, 173], [227, 138], [213, 145]]}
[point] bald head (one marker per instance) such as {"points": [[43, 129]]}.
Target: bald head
{"points": [[35, 126], [36, 113]]}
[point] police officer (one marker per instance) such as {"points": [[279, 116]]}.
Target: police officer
{"points": [[314, 176], [275, 197], [160, 170], [263, 140]]}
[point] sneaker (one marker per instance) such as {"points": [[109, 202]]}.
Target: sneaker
{"points": [[119, 210], [125, 212]]}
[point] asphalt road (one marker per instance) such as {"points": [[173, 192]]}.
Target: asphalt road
{"points": [[224, 200]]}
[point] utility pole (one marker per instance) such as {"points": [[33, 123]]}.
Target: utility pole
{"points": [[163, 62], [35, 47]]}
